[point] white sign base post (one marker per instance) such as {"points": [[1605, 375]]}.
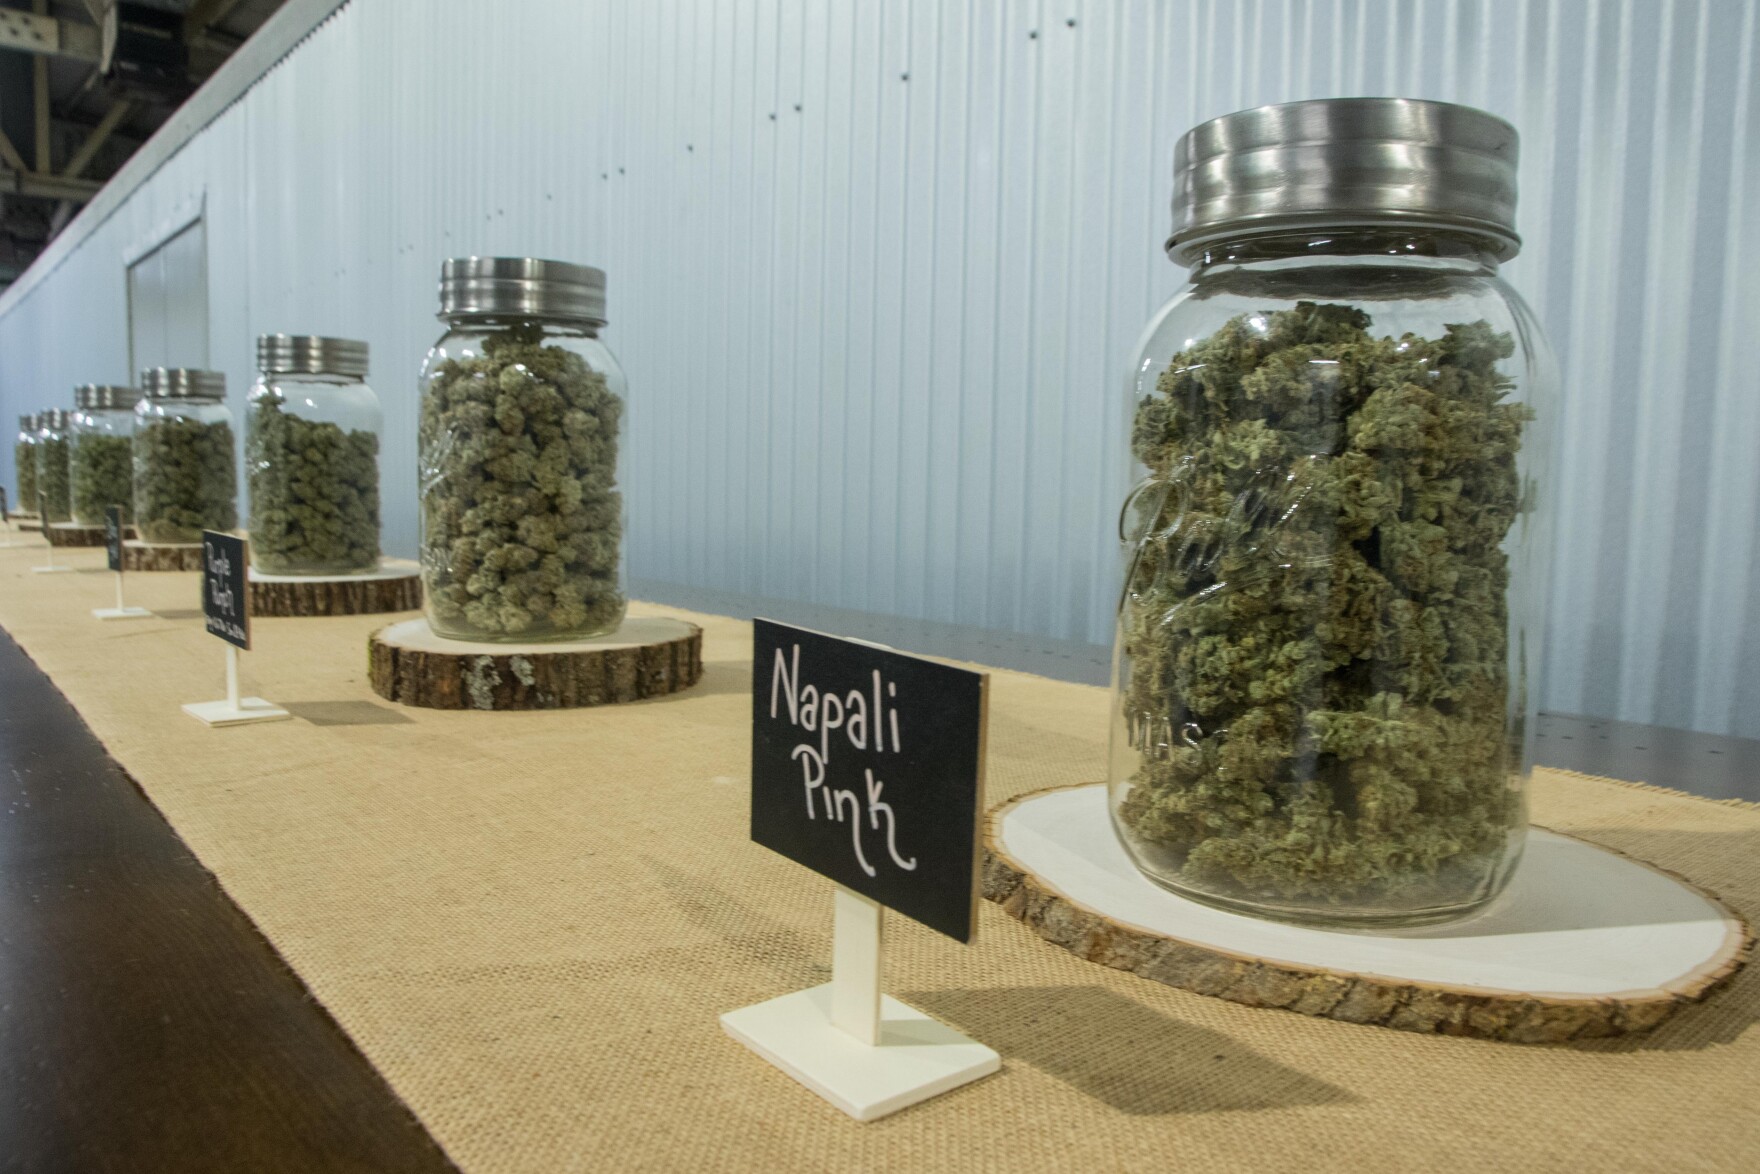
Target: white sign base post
{"points": [[121, 611], [234, 711], [11, 533], [865, 1052], [49, 568]]}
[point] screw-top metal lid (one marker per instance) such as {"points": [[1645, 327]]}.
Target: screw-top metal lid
{"points": [[98, 397], [309, 354], [27, 423], [1345, 162], [522, 285], [182, 383], [53, 420]]}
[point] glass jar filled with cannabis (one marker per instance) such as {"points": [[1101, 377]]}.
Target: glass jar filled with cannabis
{"points": [[312, 457], [99, 458], [185, 480], [24, 464], [51, 454], [1328, 633], [521, 443]]}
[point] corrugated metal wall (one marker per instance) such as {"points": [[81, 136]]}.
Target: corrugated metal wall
{"points": [[877, 270]]}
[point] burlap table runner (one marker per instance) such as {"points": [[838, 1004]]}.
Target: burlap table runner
{"points": [[530, 921]]}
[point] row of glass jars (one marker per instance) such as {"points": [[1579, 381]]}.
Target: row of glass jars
{"points": [[163, 452], [519, 461], [1338, 430]]}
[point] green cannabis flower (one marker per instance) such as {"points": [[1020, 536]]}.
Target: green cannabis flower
{"points": [[1315, 615], [521, 515], [52, 477], [102, 476], [314, 494], [184, 479], [24, 459]]}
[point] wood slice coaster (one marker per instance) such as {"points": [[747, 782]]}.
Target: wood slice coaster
{"points": [[74, 534], [1585, 942], [648, 657], [395, 586], [161, 556]]}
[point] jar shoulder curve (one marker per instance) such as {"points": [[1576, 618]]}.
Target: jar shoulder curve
{"points": [[1389, 300], [464, 344], [349, 403], [199, 411]]}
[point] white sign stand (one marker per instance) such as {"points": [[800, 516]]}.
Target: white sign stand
{"points": [[234, 711], [49, 568], [121, 611], [865, 1052], [6, 524]]}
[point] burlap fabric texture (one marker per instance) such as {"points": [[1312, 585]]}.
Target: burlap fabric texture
{"points": [[530, 921]]}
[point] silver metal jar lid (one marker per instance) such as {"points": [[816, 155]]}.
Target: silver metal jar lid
{"points": [[522, 285], [182, 383], [98, 397], [54, 420], [1345, 162], [27, 423], [310, 354]]}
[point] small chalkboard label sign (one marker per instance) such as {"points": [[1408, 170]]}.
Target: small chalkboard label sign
{"points": [[225, 604], [868, 768], [113, 537], [5, 514]]}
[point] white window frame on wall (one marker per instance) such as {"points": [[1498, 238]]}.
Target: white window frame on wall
{"points": [[187, 215]]}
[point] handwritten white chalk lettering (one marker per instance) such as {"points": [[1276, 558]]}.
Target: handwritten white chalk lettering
{"points": [[821, 712], [219, 569]]}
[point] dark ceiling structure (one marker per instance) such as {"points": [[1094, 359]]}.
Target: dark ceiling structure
{"points": [[83, 83]]}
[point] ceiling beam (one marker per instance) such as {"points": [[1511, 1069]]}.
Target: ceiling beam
{"points": [[9, 154], [203, 15], [48, 187], [88, 150], [40, 102], [45, 36]]}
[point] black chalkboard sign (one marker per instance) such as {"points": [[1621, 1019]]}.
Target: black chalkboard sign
{"points": [[868, 768], [225, 603], [5, 514], [113, 536]]}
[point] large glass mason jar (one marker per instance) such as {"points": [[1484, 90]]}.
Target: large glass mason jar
{"points": [[520, 457], [99, 452], [312, 457], [24, 464], [1330, 625], [185, 479], [51, 453]]}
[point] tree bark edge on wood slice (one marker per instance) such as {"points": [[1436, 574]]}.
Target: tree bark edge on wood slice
{"points": [[530, 677], [1352, 998], [146, 556], [336, 597], [60, 535]]}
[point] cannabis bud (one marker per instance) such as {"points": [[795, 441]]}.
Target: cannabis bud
{"points": [[521, 516], [24, 459], [1315, 618], [52, 476], [314, 493], [102, 476], [184, 479]]}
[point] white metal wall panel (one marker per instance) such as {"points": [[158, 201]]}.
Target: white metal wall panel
{"points": [[877, 270]]}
